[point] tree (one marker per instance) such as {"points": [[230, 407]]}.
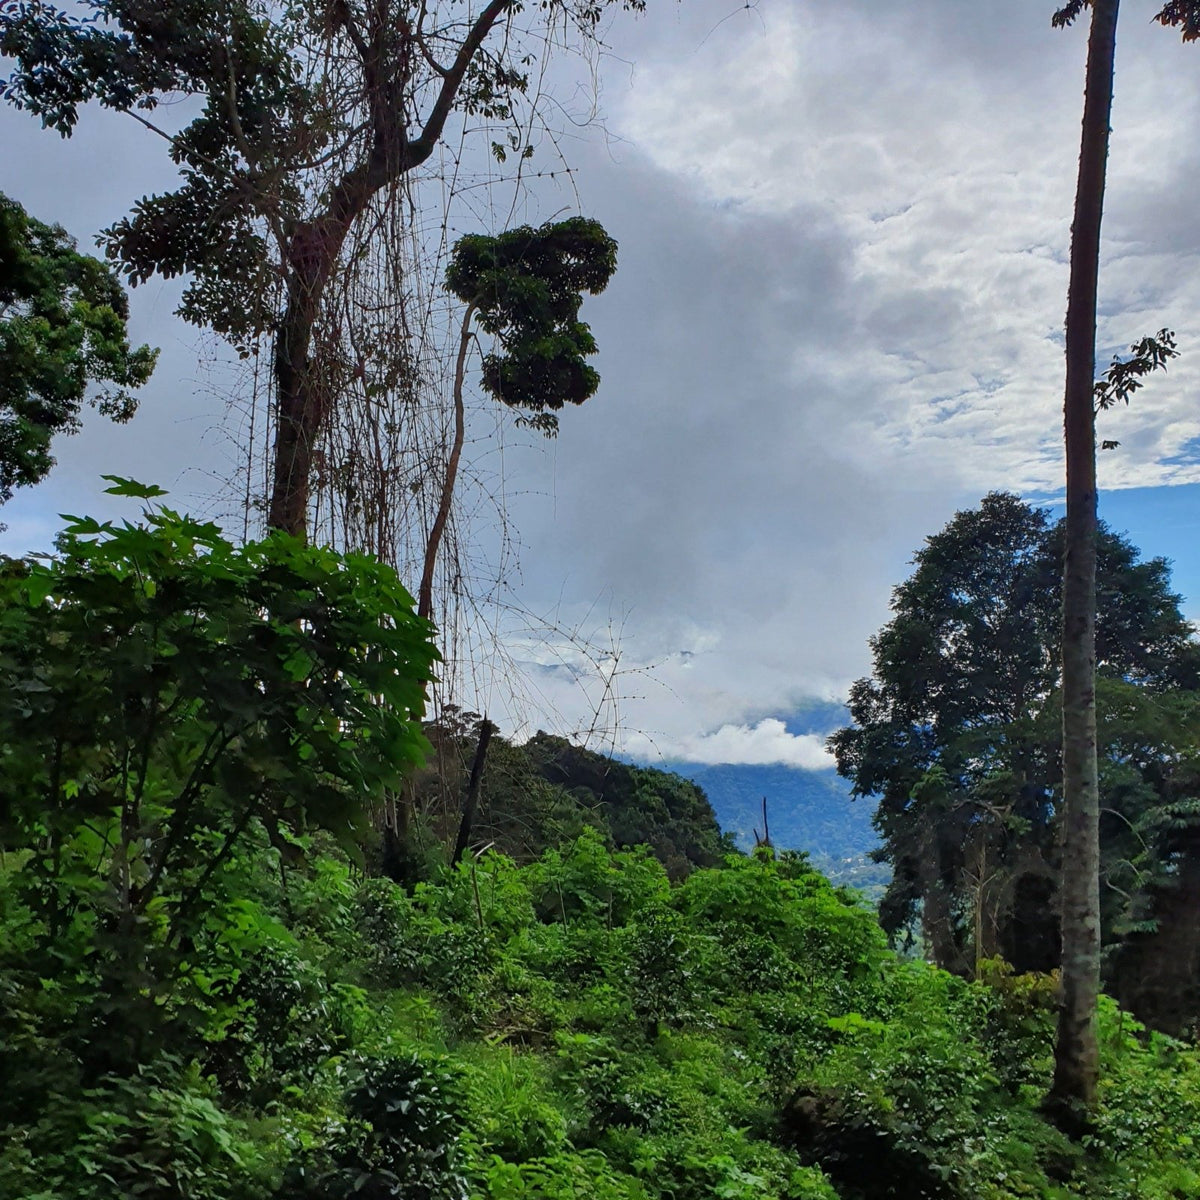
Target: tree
{"points": [[170, 696], [1076, 1051], [62, 329], [957, 733], [310, 114], [526, 288], [1076, 1056]]}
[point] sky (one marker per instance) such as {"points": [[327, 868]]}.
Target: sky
{"points": [[836, 320]]}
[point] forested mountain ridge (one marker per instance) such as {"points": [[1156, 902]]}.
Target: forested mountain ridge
{"points": [[535, 794], [690, 815], [546, 788]]}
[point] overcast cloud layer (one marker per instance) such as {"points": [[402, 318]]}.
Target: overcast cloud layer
{"points": [[837, 318]]}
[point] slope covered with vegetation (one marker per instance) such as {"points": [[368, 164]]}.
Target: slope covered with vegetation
{"points": [[577, 1027], [538, 794], [206, 995]]}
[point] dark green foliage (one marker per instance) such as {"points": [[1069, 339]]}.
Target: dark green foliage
{"points": [[62, 329], [859, 1149], [526, 285], [744, 1034], [544, 792], [161, 1134], [401, 1139], [958, 733]]}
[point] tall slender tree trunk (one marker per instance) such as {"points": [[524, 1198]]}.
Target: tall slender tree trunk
{"points": [[1076, 1054], [438, 528]]}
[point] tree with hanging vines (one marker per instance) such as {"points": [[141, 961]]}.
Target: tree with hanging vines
{"points": [[308, 114]]}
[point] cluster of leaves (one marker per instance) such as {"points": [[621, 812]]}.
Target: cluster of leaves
{"points": [[527, 286], [62, 328], [1183, 15], [1125, 375], [167, 694]]}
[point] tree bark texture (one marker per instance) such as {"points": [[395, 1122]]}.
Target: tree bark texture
{"points": [[313, 249], [471, 800], [1076, 1054], [438, 528], [937, 919]]}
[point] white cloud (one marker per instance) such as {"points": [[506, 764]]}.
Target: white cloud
{"points": [[948, 167], [766, 742]]}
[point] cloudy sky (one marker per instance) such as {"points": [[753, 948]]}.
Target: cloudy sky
{"points": [[837, 319]]}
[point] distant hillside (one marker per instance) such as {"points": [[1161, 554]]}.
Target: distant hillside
{"points": [[807, 810], [542, 794]]}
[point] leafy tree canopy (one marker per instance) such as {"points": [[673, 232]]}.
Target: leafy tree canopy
{"points": [[308, 117], [62, 328], [526, 285], [958, 730]]}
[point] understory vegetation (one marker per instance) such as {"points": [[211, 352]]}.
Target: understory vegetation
{"points": [[209, 990], [576, 1027]]}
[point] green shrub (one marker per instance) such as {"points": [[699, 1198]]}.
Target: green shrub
{"points": [[156, 1135], [400, 1140]]}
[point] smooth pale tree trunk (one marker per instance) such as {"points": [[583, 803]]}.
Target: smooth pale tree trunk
{"points": [[1076, 1054]]}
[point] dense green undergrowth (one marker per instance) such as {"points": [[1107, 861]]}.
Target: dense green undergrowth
{"points": [[576, 1027], [196, 1003]]}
